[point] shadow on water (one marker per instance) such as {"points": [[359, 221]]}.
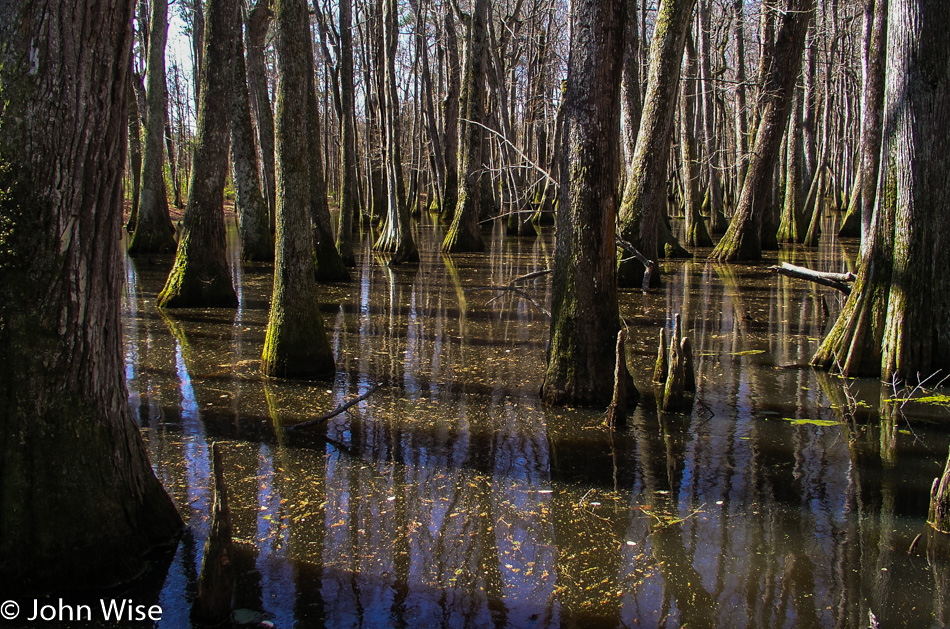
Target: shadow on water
{"points": [[451, 497]]}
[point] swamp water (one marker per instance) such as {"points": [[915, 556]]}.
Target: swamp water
{"points": [[451, 497]]}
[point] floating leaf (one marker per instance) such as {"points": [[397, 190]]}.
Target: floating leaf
{"points": [[813, 422]]}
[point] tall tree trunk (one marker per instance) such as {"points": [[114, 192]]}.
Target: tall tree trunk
{"points": [[861, 209], [464, 233], [201, 276], [296, 344], [197, 45], [717, 217], [79, 503], [349, 201], [396, 236], [172, 164], [643, 207], [696, 233], [135, 162], [258, 21], [894, 322], [791, 229], [742, 126], [330, 266], [450, 115], [631, 104], [585, 315], [154, 232], [743, 239], [257, 243]]}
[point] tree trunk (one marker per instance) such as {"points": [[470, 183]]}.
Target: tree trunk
{"points": [[201, 276], [696, 233], [154, 232], [296, 344], [743, 239], [717, 217], [135, 162], [79, 503], [349, 202], [258, 21], [791, 229], [464, 233], [631, 104], [644, 198], [330, 266], [861, 207], [894, 322], [396, 236], [450, 116], [257, 243], [197, 45], [585, 315], [742, 126]]}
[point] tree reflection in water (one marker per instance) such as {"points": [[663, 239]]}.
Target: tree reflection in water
{"points": [[452, 497]]}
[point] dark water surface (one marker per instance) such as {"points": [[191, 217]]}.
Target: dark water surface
{"points": [[451, 497]]}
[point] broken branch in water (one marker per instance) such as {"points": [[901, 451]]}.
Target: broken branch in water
{"points": [[838, 281], [648, 265], [338, 410], [510, 287]]}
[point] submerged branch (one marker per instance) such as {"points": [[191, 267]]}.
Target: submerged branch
{"points": [[839, 281], [338, 410], [648, 265], [511, 288]]}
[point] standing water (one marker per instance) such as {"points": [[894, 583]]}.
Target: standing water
{"points": [[451, 497]]}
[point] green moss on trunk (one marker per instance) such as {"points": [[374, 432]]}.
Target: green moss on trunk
{"points": [[296, 344], [201, 276]]}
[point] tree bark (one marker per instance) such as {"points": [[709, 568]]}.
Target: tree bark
{"points": [[894, 323], [743, 239], [296, 344], [861, 208], [257, 242], [349, 202], [696, 233], [154, 232], [258, 21], [644, 197], [585, 315], [631, 103], [717, 217], [396, 236], [201, 276], [742, 125], [450, 116], [79, 503], [330, 266], [464, 233], [135, 162], [791, 228]]}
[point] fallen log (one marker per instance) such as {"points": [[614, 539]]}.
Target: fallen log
{"points": [[838, 281]]}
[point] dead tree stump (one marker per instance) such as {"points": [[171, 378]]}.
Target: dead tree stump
{"points": [[617, 411], [212, 606], [674, 375], [939, 515], [662, 362]]}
